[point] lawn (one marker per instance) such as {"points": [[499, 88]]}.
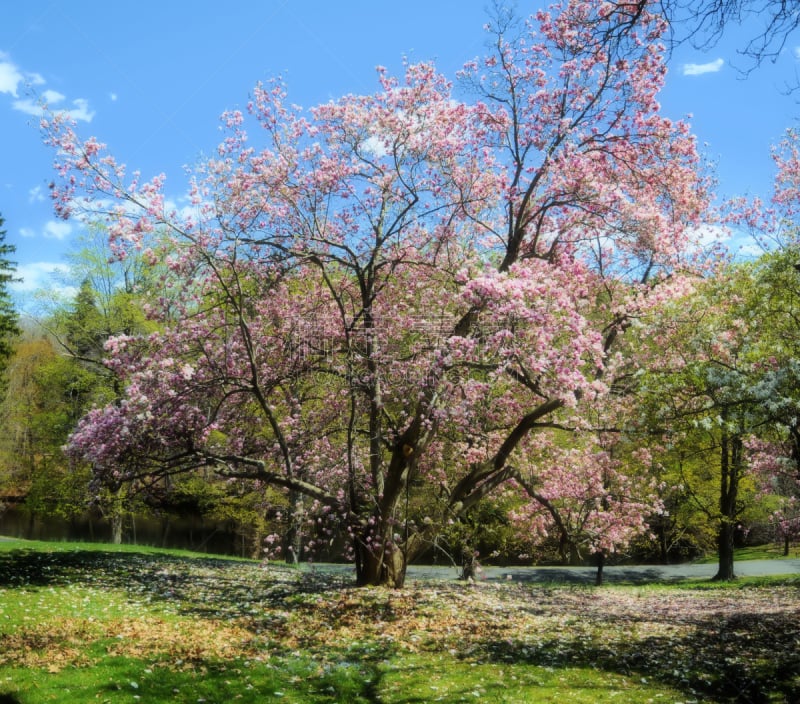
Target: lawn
{"points": [[93, 624], [768, 551]]}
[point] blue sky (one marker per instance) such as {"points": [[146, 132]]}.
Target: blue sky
{"points": [[151, 78]]}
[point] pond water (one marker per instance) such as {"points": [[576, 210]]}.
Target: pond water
{"points": [[186, 533]]}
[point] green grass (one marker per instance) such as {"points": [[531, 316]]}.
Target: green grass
{"points": [[13, 544], [87, 623], [118, 679], [426, 678], [770, 551], [739, 584]]}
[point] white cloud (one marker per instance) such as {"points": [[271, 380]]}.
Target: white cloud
{"points": [[36, 276], [57, 230], [51, 97], [36, 195], [112, 97], [12, 77], [700, 69], [81, 111], [707, 235], [52, 230], [750, 251], [374, 145], [50, 100]]}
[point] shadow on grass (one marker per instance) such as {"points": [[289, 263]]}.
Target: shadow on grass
{"points": [[204, 587], [746, 659]]}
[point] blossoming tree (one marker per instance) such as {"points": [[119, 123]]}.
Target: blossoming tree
{"points": [[376, 302]]}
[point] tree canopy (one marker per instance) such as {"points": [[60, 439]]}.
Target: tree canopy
{"points": [[384, 302]]}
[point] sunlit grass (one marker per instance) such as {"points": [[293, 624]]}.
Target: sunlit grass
{"points": [[12, 544], [399, 680], [769, 551], [422, 678], [118, 679], [440, 678]]}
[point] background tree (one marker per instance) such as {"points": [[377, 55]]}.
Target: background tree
{"points": [[775, 452], [46, 396], [723, 387], [775, 296], [767, 24], [9, 318], [586, 497]]}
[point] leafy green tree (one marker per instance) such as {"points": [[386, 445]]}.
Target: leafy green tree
{"points": [[723, 385], [56, 374], [47, 393], [775, 453]]}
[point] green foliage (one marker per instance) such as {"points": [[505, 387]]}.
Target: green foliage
{"points": [[55, 379], [85, 330], [9, 318], [227, 502], [719, 385], [482, 535], [47, 394]]}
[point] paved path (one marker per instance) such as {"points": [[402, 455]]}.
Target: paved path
{"points": [[586, 575], [622, 573], [640, 573]]}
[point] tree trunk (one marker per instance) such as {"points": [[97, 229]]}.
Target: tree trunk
{"points": [[601, 561], [116, 514], [382, 553], [469, 564], [166, 524], [725, 550], [568, 551], [731, 456], [786, 542], [383, 570], [116, 527], [575, 557]]}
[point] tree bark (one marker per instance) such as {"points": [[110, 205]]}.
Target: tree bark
{"points": [[731, 454], [166, 524], [725, 570], [601, 561], [387, 569], [116, 528]]}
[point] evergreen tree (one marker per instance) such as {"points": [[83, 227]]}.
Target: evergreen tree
{"points": [[85, 327], [9, 318]]}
